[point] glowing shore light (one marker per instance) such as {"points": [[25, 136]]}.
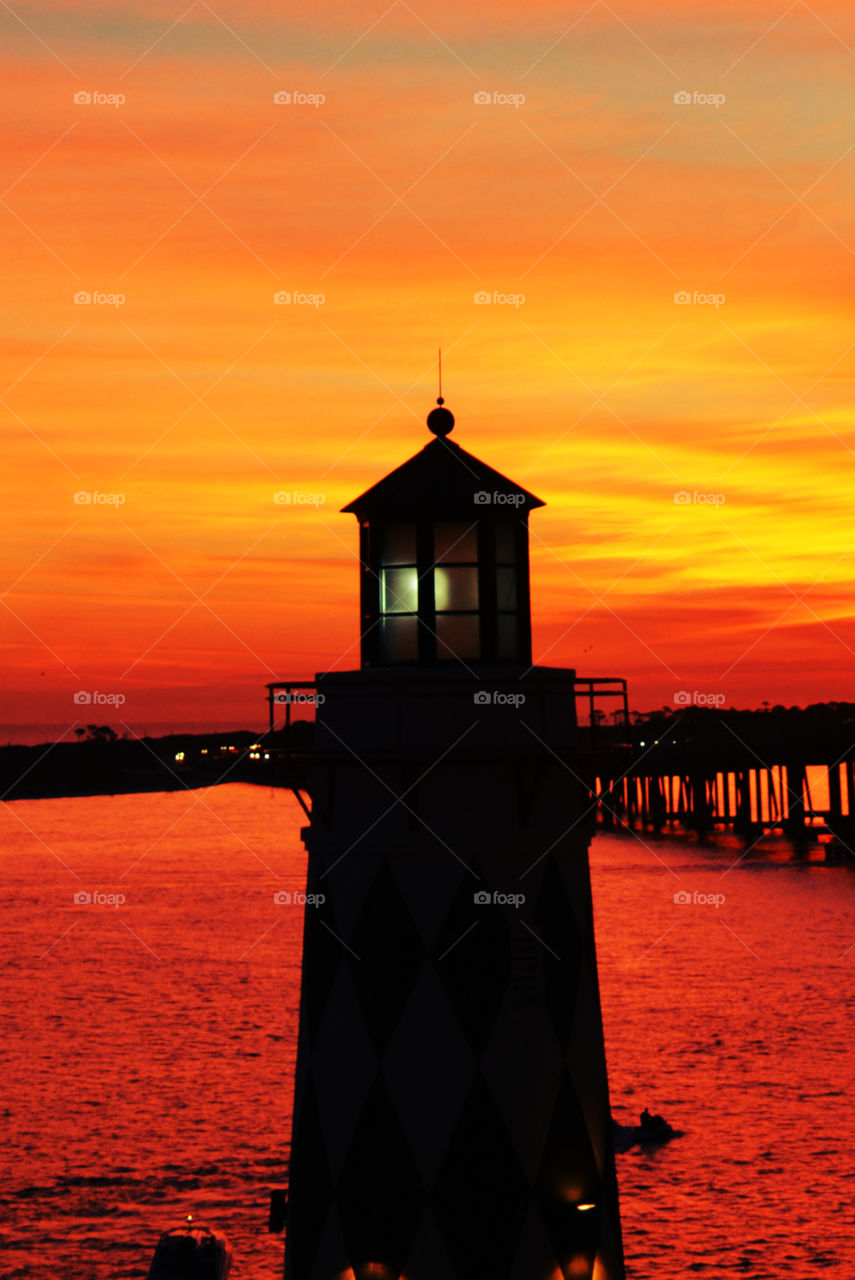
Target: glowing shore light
{"points": [[179, 755], [583, 1208]]}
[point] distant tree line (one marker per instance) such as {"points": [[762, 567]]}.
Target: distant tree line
{"points": [[820, 728]]}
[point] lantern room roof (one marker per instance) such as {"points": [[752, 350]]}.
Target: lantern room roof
{"points": [[444, 480]]}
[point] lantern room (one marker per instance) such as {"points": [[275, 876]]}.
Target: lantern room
{"points": [[443, 548]]}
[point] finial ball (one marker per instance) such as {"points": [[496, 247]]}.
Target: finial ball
{"points": [[440, 421]]}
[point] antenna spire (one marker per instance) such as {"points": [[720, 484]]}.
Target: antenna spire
{"points": [[440, 421]]}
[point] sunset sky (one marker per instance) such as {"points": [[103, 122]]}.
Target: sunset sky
{"points": [[386, 197]]}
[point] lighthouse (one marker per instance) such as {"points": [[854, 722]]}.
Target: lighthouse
{"points": [[451, 1110]]}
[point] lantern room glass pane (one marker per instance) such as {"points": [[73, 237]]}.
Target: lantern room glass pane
{"points": [[508, 636], [506, 588], [506, 544], [455, 588], [455, 542], [458, 636], [399, 544], [399, 639], [399, 590]]}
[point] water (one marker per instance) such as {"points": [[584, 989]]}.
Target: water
{"points": [[147, 1049]]}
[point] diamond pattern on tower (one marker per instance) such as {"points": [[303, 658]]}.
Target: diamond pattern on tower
{"points": [[524, 1065], [429, 878], [331, 1256], [535, 1255], [428, 1259], [389, 954], [473, 964], [379, 1194], [481, 1194], [347, 880], [311, 1192], [569, 1175], [343, 1067], [554, 922], [429, 1068], [326, 954], [453, 1056]]}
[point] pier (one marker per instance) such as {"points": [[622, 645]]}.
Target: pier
{"points": [[802, 796]]}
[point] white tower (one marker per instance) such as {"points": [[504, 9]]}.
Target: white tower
{"points": [[451, 1115]]}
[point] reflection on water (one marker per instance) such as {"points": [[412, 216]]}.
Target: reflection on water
{"points": [[147, 1046]]}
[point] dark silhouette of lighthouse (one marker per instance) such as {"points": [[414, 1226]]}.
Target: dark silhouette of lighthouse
{"points": [[451, 1116]]}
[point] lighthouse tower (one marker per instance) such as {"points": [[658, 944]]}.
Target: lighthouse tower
{"points": [[451, 1113]]}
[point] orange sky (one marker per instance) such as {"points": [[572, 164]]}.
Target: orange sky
{"points": [[398, 199]]}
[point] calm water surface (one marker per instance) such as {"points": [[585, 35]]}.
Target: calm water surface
{"points": [[147, 1049]]}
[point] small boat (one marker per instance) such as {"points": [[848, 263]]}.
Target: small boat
{"points": [[191, 1252], [650, 1132]]}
